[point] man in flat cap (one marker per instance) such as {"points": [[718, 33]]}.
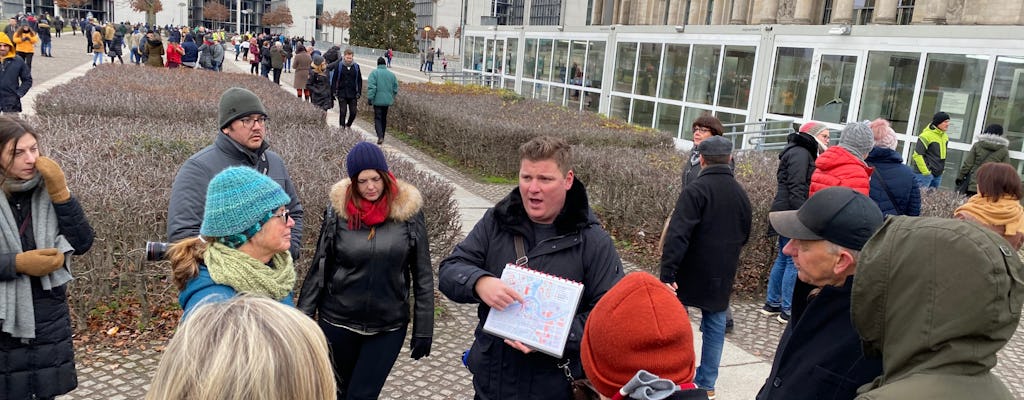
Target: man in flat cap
{"points": [[709, 227], [819, 355]]}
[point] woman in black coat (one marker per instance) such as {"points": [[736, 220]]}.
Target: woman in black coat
{"points": [[40, 227]]}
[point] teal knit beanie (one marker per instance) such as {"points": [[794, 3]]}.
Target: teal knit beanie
{"points": [[238, 201]]}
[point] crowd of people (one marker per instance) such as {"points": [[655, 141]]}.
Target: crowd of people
{"points": [[878, 302]]}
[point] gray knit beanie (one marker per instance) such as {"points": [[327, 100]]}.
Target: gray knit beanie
{"points": [[857, 138], [236, 103]]}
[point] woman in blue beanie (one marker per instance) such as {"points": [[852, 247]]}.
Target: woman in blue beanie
{"points": [[242, 245], [372, 250]]}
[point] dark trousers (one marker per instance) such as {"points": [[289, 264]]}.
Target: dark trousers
{"points": [[350, 104], [380, 120], [362, 362], [27, 57], [277, 76]]}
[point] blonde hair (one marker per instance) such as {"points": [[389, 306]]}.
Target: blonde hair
{"points": [[248, 347]]}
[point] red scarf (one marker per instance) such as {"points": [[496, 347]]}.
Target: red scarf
{"points": [[370, 213]]}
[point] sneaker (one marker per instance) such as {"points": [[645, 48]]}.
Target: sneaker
{"points": [[783, 318], [380, 141], [711, 394], [770, 310], [728, 326]]}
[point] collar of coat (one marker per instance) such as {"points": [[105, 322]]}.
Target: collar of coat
{"points": [[229, 145], [994, 139], [402, 208], [575, 214], [801, 140]]}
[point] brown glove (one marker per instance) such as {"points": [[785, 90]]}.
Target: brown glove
{"points": [[40, 262], [56, 183]]}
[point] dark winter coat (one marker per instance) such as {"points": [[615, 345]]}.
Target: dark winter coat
{"points": [[581, 251], [819, 355], [891, 173], [44, 367], [155, 52], [988, 148], [188, 193], [709, 227], [796, 164], [320, 91], [347, 82], [276, 58], [191, 53], [15, 81], [364, 283]]}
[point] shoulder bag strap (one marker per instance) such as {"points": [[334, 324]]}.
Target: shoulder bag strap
{"points": [[888, 192], [521, 259]]}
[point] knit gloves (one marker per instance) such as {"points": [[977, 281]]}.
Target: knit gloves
{"points": [[56, 183], [40, 262]]}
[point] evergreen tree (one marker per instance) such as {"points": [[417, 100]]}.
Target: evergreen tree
{"points": [[384, 24]]}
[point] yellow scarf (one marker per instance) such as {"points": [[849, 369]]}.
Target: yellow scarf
{"points": [[1006, 212]]}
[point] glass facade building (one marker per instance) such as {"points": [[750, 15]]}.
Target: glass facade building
{"points": [[658, 77]]}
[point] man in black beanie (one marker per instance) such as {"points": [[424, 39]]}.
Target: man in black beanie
{"points": [[381, 89], [930, 153], [241, 141]]}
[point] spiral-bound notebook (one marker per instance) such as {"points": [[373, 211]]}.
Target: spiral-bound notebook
{"points": [[542, 322]]}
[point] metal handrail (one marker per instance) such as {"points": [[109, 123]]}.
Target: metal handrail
{"points": [[760, 139]]}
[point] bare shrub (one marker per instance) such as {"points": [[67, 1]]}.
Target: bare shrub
{"points": [[481, 128], [121, 153], [940, 203]]}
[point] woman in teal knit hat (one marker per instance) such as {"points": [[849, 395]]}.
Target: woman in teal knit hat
{"points": [[242, 244]]}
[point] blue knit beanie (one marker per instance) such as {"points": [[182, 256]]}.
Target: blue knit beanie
{"points": [[364, 156], [238, 201]]}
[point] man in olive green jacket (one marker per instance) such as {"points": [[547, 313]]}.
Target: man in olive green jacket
{"points": [[937, 314], [381, 88]]}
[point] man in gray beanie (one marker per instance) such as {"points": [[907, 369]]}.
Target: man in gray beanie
{"points": [[844, 165], [242, 121]]}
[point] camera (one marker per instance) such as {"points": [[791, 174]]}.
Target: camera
{"points": [[156, 251]]}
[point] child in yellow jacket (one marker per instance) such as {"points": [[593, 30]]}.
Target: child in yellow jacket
{"points": [[24, 43]]}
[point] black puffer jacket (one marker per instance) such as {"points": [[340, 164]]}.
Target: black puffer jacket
{"points": [[45, 366], [15, 81], [362, 281], [796, 164], [581, 251]]}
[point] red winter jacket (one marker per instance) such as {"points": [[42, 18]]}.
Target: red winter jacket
{"points": [[838, 167]]}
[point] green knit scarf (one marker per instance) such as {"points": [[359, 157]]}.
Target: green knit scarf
{"points": [[234, 268]]}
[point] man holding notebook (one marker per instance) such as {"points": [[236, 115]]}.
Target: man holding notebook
{"points": [[550, 215]]}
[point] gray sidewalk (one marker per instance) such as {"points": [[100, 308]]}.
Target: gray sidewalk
{"points": [[124, 374]]}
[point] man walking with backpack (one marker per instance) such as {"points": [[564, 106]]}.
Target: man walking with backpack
{"points": [[347, 85]]}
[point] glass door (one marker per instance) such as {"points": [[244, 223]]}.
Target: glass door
{"points": [[833, 75]]}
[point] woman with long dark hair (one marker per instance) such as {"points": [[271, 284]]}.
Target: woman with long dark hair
{"points": [[41, 226]]}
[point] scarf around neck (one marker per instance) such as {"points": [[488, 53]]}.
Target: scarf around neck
{"points": [[17, 308], [244, 273], [1006, 212]]}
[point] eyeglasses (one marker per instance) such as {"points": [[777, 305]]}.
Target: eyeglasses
{"points": [[375, 179], [248, 122], [701, 129], [283, 215]]}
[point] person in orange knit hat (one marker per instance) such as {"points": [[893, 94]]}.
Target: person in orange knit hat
{"points": [[638, 343]]}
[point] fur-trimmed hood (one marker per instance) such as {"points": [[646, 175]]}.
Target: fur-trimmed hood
{"points": [[405, 206], [994, 139]]}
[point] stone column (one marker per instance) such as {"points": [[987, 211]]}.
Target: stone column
{"points": [[842, 12], [718, 13], [739, 12], [885, 12], [767, 12], [931, 12], [803, 12]]}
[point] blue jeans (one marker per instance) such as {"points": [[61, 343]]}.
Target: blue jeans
{"points": [[712, 327], [46, 49], [927, 181], [97, 58], [287, 64], [781, 280]]}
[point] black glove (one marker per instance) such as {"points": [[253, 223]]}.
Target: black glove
{"points": [[369, 103], [420, 347], [358, 95], [959, 181]]}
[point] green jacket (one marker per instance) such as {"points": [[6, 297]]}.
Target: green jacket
{"points": [[381, 87], [937, 298], [988, 148], [930, 153]]}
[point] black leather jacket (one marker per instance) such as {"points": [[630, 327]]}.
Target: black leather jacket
{"points": [[363, 282]]}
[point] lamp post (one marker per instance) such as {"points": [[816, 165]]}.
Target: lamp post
{"points": [[181, 12], [426, 34], [245, 14]]}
